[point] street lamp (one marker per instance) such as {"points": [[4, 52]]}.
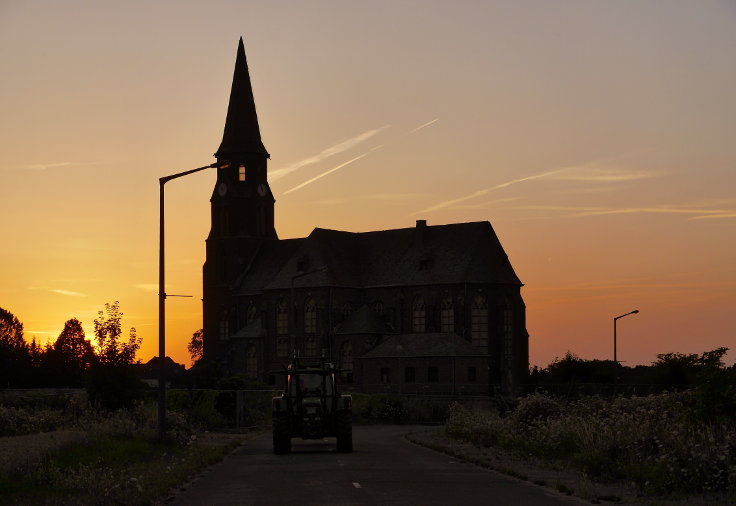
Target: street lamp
{"points": [[162, 294], [635, 311]]}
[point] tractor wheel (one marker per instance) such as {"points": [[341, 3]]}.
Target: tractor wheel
{"points": [[344, 433], [281, 436]]}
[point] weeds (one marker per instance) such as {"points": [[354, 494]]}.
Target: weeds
{"points": [[651, 442]]}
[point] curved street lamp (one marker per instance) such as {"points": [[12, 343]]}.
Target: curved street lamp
{"points": [[635, 311], [162, 293]]}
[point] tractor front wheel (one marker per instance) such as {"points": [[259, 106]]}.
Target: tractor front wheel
{"points": [[344, 433], [281, 435]]}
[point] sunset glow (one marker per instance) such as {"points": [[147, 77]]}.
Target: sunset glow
{"points": [[597, 138]]}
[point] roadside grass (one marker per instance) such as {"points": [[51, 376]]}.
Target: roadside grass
{"points": [[110, 470], [651, 443]]}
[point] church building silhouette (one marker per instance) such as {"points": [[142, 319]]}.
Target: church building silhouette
{"points": [[422, 310]]}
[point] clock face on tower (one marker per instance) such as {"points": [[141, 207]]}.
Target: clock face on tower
{"points": [[261, 189], [222, 189]]}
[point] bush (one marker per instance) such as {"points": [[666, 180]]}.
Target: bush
{"points": [[114, 386], [650, 441]]}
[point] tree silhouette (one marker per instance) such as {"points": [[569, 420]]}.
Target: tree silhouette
{"points": [[108, 329], [196, 346], [113, 382], [15, 362], [67, 361]]}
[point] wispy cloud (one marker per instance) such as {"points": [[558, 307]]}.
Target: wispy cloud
{"points": [[46, 166], [320, 176], [326, 153], [395, 196], [148, 287], [68, 293], [485, 191], [599, 175], [423, 125], [580, 211]]}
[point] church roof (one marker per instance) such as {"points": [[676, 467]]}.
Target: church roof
{"points": [[242, 134], [363, 321], [425, 255], [429, 344]]}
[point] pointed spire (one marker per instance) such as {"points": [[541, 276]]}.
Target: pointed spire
{"points": [[242, 134]]}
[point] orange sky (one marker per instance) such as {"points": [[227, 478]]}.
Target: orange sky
{"points": [[597, 138]]}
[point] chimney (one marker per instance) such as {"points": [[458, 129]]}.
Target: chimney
{"points": [[421, 223]]}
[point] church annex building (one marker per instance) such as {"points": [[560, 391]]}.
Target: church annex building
{"points": [[429, 309]]}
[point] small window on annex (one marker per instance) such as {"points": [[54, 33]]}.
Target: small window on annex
{"points": [[251, 362], [447, 314], [418, 314], [282, 318], [378, 308], [479, 322], [409, 375], [385, 375], [433, 374], [472, 374], [241, 173], [310, 316]]}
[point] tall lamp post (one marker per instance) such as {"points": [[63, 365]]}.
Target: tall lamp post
{"points": [[162, 294], [615, 319]]}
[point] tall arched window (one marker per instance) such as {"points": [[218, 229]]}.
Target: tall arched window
{"points": [[282, 318], [346, 361], [378, 307], [310, 316], [508, 328], [224, 326], [251, 362], [447, 314], [347, 310], [251, 314], [310, 346], [479, 322], [418, 314]]}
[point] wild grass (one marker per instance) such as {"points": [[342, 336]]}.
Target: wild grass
{"points": [[652, 442], [109, 458]]}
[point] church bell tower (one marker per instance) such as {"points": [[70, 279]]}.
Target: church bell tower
{"points": [[242, 210]]}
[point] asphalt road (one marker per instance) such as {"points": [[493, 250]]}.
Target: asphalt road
{"points": [[384, 468]]}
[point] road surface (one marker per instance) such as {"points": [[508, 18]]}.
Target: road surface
{"points": [[384, 468]]}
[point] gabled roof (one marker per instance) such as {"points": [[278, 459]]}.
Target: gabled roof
{"points": [[363, 321], [429, 344], [425, 255], [242, 134], [269, 260]]}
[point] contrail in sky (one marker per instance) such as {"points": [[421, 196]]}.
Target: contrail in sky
{"points": [[315, 178], [44, 166], [485, 191], [425, 125], [332, 150]]}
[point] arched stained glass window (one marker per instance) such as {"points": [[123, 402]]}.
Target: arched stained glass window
{"points": [[251, 314], [251, 362], [418, 315], [447, 314], [310, 316], [282, 318], [479, 322]]}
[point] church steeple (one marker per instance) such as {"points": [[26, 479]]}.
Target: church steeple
{"points": [[242, 134]]}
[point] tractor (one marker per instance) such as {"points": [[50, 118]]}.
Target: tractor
{"points": [[311, 407]]}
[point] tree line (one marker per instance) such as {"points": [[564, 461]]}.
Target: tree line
{"points": [[105, 368]]}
